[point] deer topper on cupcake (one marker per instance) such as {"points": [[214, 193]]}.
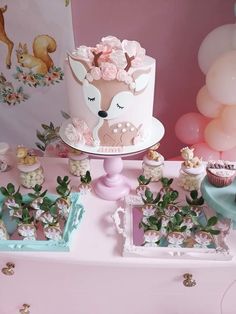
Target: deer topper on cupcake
{"points": [[109, 88]]}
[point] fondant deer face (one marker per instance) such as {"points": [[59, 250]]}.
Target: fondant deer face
{"points": [[108, 99]]}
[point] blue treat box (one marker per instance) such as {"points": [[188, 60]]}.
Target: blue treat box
{"points": [[63, 245]]}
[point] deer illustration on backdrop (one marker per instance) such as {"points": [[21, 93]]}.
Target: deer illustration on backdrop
{"points": [[109, 90], [4, 38], [39, 62]]}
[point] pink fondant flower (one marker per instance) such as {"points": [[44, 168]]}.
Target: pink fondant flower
{"points": [[96, 73], [83, 131], [109, 71], [133, 49]]}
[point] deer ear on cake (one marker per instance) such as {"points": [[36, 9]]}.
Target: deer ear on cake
{"points": [[79, 68], [141, 79]]}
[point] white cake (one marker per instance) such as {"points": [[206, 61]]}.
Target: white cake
{"points": [[110, 94]]}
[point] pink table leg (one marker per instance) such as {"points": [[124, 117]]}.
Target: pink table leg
{"points": [[113, 185]]}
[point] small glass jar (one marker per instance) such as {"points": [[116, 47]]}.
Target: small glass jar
{"points": [[30, 175], [153, 168], [4, 160], [190, 178], [79, 164]]}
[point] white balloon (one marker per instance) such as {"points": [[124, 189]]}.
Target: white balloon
{"points": [[216, 43], [221, 79], [206, 105]]}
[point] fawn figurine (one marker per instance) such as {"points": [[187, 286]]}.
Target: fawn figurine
{"points": [[40, 62]]}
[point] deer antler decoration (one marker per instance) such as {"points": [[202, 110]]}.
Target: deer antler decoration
{"points": [[96, 57], [128, 59]]}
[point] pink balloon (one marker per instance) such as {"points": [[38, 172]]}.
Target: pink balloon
{"points": [[229, 154], [228, 117], [190, 128], [216, 43], [207, 105], [207, 153], [220, 79], [216, 138]]}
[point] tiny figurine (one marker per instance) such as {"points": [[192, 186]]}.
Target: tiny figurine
{"points": [[192, 170], [153, 163], [78, 163], [31, 172]]}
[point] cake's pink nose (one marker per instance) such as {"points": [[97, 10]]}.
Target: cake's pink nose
{"points": [[102, 114]]}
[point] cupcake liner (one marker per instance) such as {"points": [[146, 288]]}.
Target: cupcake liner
{"points": [[219, 181]]}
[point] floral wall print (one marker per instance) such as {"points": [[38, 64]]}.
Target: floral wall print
{"points": [[32, 87], [41, 68]]}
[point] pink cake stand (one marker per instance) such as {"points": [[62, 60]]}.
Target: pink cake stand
{"points": [[114, 185]]}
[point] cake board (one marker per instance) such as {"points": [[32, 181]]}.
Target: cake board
{"points": [[113, 185]]}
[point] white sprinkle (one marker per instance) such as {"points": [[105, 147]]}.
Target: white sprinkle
{"points": [[115, 131], [132, 129], [123, 130], [119, 125], [127, 124]]}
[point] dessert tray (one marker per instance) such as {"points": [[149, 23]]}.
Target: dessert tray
{"points": [[127, 221], [37, 240]]}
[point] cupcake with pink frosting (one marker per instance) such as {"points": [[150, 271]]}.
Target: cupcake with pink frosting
{"points": [[220, 173]]}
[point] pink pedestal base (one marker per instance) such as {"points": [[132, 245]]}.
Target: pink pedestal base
{"points": [[113, 185]]}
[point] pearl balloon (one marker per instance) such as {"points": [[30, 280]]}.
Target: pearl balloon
{"points": [[207, 153], [190, 128], [216, 138], [207, 105], [228, 118], [216, 43], [221, 79]]}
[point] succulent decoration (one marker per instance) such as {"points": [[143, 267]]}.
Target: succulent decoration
{"points": [[37, 209], [85, 185], [175, 224]]}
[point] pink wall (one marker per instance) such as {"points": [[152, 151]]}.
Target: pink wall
{"points": [[171, 31]]}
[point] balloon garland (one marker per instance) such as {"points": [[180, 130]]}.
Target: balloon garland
{"points": [[212, 131]]}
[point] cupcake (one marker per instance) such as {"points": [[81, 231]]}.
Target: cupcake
{"points": [[220, 173]]}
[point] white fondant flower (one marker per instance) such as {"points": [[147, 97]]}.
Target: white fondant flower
{"points": [[108, 71], [133, 49], [111, 41], [84, 53], [122, 75], [96, 73], [118, 58]]}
